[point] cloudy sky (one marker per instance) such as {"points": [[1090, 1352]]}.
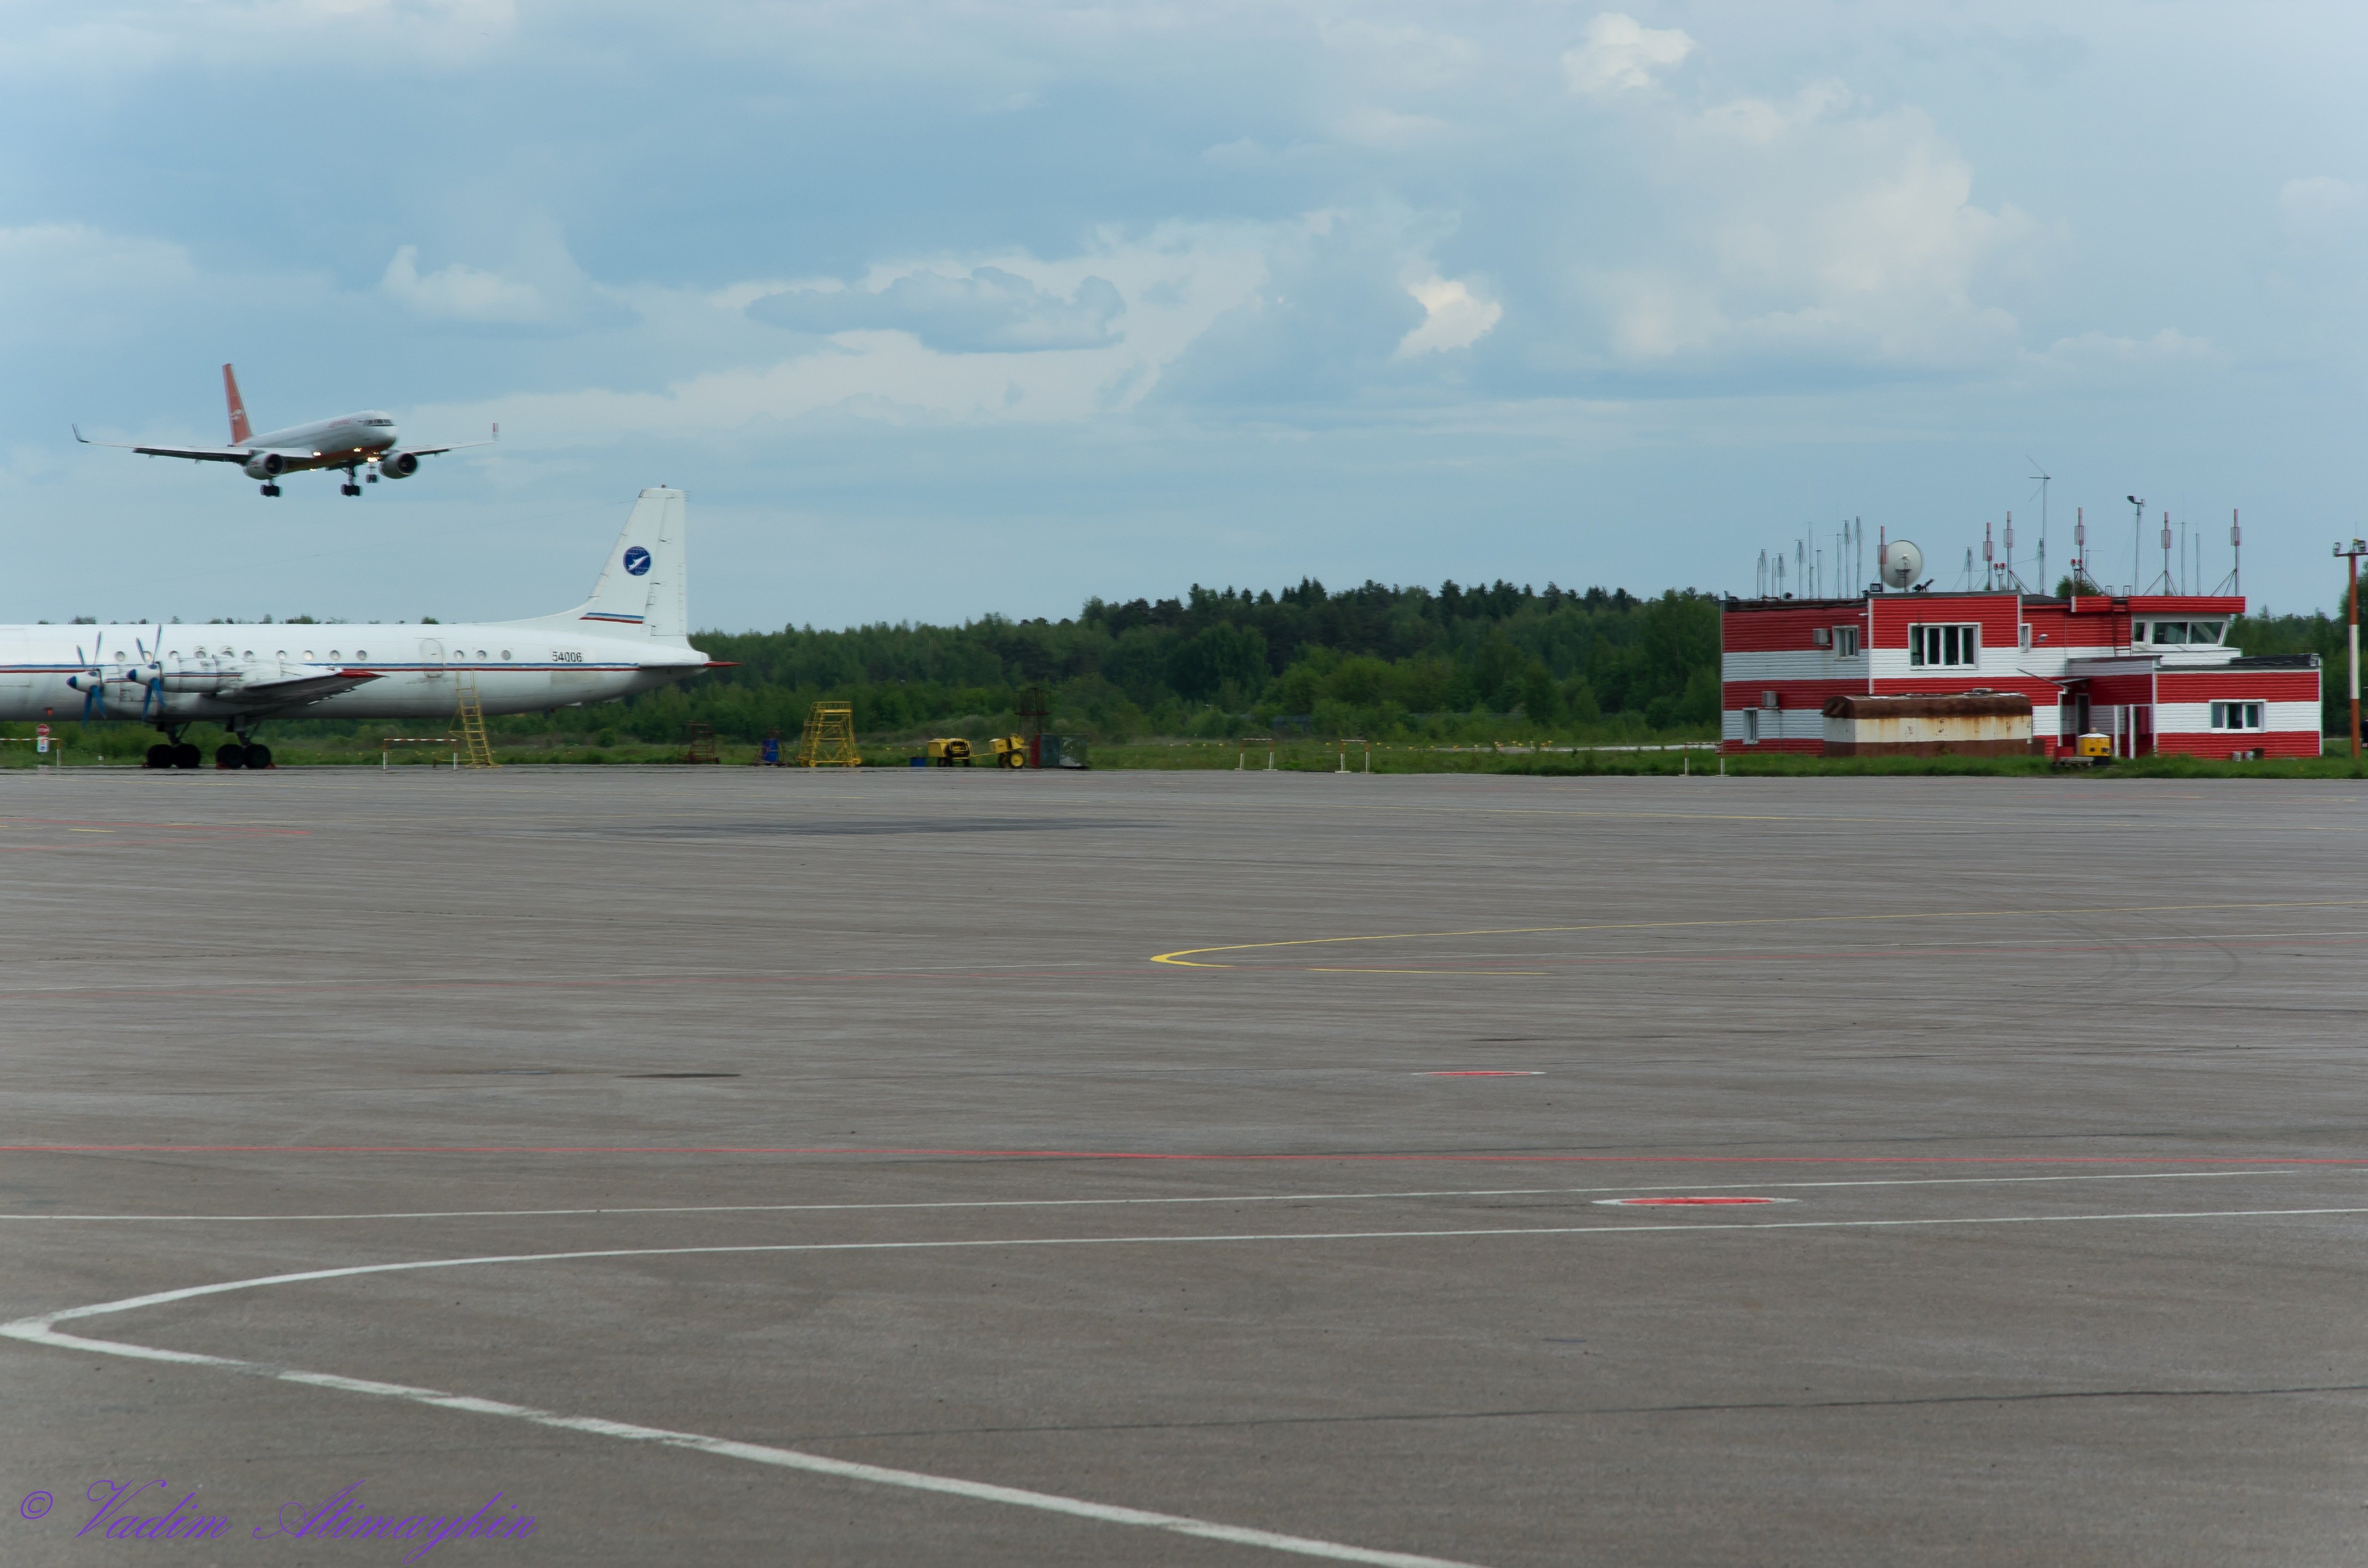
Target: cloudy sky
{"points": [[940, 309]]}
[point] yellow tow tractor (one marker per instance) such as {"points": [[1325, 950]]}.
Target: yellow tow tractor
{"points": [[2094, 749], [1011, 751], [954, 753]]}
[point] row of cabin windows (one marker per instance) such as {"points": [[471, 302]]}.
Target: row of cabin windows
{"points": [[307, 656]]}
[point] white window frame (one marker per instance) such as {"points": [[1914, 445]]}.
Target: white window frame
{"points": [[1751, 726], [2232, 717], [1845, 642], [1929, 644]]}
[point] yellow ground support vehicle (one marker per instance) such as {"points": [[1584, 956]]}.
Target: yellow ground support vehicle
{"points": [[1011, 751], [2094, 749], [953, 753]]}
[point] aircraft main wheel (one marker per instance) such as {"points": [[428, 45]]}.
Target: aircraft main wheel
{"points": [[159, 755], [271, 490], [230, 754], [258, 756], [350, 489], [187, 754]]}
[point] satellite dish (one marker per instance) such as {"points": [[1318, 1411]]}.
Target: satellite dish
{"points": [[1901, 564]]}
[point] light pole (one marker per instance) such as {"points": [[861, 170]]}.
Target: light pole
{"points": [[2137, 542], [2357, 549]]}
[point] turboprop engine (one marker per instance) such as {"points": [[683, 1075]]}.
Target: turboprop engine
{"points": [[265, 465], [399, 465]]}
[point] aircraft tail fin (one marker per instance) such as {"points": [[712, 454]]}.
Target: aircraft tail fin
{"points": [[641, 588], [241, 432]]}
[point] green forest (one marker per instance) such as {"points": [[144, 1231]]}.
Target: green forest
{"points": [[1384, 662]]}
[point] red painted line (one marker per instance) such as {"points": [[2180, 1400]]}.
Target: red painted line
{"points": [[1483, 1073], [1345, 1156], [1677, 1203]]}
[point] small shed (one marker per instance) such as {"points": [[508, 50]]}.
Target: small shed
{"points": [[1988, 724]]}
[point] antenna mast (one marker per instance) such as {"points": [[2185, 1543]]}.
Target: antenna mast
{"points": [[2041, 475]]}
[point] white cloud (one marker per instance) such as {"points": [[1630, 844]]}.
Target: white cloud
{"points": [[1453, 317], [1812, 230], [990, 310], [950, 349], [459, 292], [1622, 54]]}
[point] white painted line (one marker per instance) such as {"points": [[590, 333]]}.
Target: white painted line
{"points": [[40, 1330], [786, 1458], [1110, 1202]]}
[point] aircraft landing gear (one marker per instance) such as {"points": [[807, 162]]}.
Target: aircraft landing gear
{"points": [[271, 490], [349, 487], [242, 751], [159, 755], [187, 754]]}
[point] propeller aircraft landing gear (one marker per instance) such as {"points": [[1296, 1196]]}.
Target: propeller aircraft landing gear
{"points": [[240, 751], [172, 752]]}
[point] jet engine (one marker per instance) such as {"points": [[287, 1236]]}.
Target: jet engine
{"points": [[399, 465], [265, 465]]}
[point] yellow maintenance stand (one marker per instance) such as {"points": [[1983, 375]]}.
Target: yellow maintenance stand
{"points": [[829, 740]]}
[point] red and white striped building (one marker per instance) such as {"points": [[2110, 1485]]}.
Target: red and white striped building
{"points": [[2154, 672]]}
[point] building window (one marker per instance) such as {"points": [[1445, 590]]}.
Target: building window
{"points": [[2180, 634], [2236, 716], [1845, 642], [1943, 647], [1751, 726]]}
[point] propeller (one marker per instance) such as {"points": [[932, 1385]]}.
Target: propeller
{"points": [[92, 682], [152, 689]]}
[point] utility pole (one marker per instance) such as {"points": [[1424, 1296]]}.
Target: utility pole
{"points": [[2357, 549]]}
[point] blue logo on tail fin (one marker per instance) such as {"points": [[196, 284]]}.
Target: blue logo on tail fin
{"points": [[637, 561]]}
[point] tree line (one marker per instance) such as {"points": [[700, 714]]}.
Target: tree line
{"points": [[1380, 661]]}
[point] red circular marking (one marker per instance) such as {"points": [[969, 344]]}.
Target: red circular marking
{"points": [[1683, 1202]]}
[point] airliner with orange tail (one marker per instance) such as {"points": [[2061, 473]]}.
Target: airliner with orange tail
{"points": [[365, 445]]}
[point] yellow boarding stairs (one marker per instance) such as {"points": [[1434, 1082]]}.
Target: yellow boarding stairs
{"points": [[477, 749]]}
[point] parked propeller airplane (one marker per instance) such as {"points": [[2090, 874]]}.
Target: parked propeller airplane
{"points": [[351, 441], [630, 635]]}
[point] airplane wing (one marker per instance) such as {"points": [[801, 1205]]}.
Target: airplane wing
{"points": [[197, 454], [295, 691], [455, 447]]}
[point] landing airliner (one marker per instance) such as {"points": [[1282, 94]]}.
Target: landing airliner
{"points": [[630, 635], [351, 441]]}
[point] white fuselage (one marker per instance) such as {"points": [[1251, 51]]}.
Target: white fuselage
{"points": [[181, 674], [331, 443]]}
